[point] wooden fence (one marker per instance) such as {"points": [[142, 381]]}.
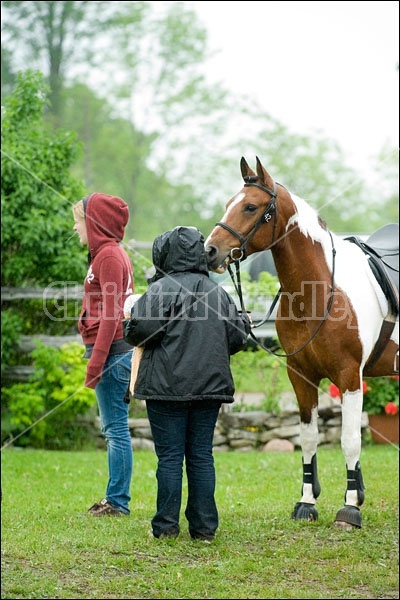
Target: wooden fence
{"points": [[235, 431], [27, 342], [55, 292]]}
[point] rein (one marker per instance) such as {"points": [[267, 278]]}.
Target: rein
{"points": [[244, 240]]}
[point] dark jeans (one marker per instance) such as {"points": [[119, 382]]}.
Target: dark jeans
{"points": [[184, 430]]}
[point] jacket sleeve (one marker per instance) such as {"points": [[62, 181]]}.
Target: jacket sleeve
{"points": [[147, 324], [238, 326]]}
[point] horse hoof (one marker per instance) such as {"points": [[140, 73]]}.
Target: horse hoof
{"points": [[344, 526], [305, 511], [348, 517]]}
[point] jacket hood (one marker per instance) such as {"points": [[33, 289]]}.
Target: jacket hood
{"points": [[178, 250], [106, 219]]}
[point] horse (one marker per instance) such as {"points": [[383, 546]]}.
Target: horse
{"points": [[334, 320]]}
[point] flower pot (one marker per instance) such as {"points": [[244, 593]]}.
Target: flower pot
{"points": [[384, 428]]}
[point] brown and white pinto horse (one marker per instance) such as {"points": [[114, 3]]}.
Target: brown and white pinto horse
{"points": [[331, 314]]}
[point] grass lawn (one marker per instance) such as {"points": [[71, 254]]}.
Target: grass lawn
{"points": [[52, 549]]}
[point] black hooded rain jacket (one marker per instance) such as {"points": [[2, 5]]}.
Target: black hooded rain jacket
{"points": [[188, 325]]}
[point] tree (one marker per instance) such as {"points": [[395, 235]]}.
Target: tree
{"points": [[37, 192], [56, 35], [154, 132], [7, 74], [131, 131]]}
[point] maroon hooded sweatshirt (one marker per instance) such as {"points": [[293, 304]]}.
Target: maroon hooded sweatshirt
{"points": [[108, 283]]}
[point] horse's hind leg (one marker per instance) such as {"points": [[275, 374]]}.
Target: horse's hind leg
{"points": [[307, 398], [349, 517]]}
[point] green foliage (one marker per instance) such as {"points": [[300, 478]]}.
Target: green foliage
{"points": [[116, 157], [37, 192], [178, 120], [141, 270], [47, 411], [380, 392], [266, 286], [255, 292], [51, 316], [11, 329], [260, 372]]}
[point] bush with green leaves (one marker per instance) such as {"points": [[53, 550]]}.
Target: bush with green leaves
{"points": [[49, 410], [37, 191], [11, 329], [260, 372], [382, 395]]}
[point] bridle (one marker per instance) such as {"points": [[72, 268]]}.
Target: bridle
{"points": [[266, 217]]}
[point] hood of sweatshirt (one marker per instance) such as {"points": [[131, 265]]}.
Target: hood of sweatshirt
{"points": [[178, 250], [106, 219]]}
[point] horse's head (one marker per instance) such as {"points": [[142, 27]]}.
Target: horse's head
{"points": [[248, 223]]}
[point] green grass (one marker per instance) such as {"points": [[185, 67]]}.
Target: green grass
{"points": [[52, 549]]}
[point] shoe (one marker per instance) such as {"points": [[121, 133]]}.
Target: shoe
{"points": [[204, 537], [169, 533], [104, 508], [96, 506]]}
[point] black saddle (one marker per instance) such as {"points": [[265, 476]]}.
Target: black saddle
{"points": [[382, 249]]}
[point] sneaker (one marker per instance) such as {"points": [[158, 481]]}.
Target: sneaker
{"points": [[169, 533], [103, 508], [204, 537]]}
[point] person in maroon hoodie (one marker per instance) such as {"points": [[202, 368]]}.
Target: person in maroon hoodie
{"points": [[100, 222]]}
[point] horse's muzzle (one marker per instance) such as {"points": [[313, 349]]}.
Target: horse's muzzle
{"points": [[215, 261]]}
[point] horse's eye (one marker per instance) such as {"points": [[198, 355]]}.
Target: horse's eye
{"points": [[250, 208]]}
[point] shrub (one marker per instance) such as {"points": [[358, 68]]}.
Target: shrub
{"points": [[382, 395], [260, 372], [47, 412]]}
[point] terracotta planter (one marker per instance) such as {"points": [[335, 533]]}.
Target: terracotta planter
{"points": [[384, 428]]}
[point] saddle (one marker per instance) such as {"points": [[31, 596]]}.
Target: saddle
{"points": [[382, 249]]}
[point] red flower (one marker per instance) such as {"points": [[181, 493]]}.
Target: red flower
{"points": [[391, 408], [334, 391]]}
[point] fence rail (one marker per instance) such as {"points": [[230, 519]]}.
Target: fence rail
{"points": [[68, 292], [21, 373]]}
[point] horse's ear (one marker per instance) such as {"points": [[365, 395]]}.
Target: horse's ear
{"points": [[245, 169], [263, 175]]}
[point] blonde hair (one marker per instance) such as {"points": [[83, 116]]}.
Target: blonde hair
{"points": [[78, 210]]}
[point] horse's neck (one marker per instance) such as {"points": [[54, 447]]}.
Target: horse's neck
{"points": [[299, 249]]}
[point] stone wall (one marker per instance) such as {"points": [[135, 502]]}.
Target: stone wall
{"points": [[252, 429]]}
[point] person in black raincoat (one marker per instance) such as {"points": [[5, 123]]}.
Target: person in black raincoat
{"points": [[188, 326]]}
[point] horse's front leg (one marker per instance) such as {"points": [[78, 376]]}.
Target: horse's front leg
{"points": [[349, 517], [307, 398]]}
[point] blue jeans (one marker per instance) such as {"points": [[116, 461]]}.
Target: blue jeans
{"points": [[110, 393], [184, 430]]}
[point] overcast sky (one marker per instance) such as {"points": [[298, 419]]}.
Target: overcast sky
{"points": [[330, 67]]}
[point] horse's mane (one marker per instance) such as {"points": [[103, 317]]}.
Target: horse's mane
{"points": [[307, 220], [322, 223]]}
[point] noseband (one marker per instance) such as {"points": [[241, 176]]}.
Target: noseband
{"points": [[265, 218]]}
